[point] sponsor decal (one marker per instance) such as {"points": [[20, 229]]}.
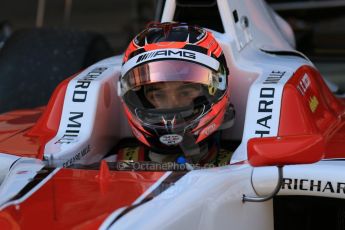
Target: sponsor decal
{"points": [[274, 77], [131, 153], [313, 185], [72, 130], [313, 103], [266, 100], [74, 124], [80, 89], [171, 139], [304, 84], [209, 129], [74, 134], [179, 54], [77, 156], [166, 53]]}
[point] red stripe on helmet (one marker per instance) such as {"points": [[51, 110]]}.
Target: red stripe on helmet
{"points": [[211, 44], [130, 49]]}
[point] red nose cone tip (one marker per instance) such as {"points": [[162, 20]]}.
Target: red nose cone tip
{"points": [[104, 172]]}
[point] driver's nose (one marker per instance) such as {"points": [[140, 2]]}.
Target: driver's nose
{"points": [[173, 101]]}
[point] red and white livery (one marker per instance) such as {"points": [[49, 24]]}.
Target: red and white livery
{"points": [[286, 116]]}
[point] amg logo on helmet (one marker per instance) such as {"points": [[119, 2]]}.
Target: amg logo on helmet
{"points": [[166, 53]]}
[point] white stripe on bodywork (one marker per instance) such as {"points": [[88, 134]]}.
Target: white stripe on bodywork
{"points": [[153, 187], [106, 224], [32, 191], [7, 161], [253, 126], [325, 178], [96, 113], [254, 100]]}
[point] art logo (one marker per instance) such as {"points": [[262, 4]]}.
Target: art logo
{"points": [[171, 139], [313, 103]]}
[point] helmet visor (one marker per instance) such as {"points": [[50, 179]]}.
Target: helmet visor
{"points": [[171, 71], [173, 92]]}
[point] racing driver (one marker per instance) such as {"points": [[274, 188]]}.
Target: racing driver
{"points": [[174, 89]]}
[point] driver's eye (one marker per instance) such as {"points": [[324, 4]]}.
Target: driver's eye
{"points": [[158, 95], [184, 93], [189, 92]]}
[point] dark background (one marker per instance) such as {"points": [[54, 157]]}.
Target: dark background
{"points": [[318, 25], [118, 20]]}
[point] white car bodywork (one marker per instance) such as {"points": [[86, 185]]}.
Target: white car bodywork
{"points": [[208, 198]]}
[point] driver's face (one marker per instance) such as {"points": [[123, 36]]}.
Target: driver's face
{"points": [[167, 95]]}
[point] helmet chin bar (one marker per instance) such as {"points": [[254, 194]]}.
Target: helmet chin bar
{"points": [[269, 196], [229, 118], [188, 148], [174, 120]]}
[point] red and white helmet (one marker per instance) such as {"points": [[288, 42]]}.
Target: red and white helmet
{"points": [[174, 87]]}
